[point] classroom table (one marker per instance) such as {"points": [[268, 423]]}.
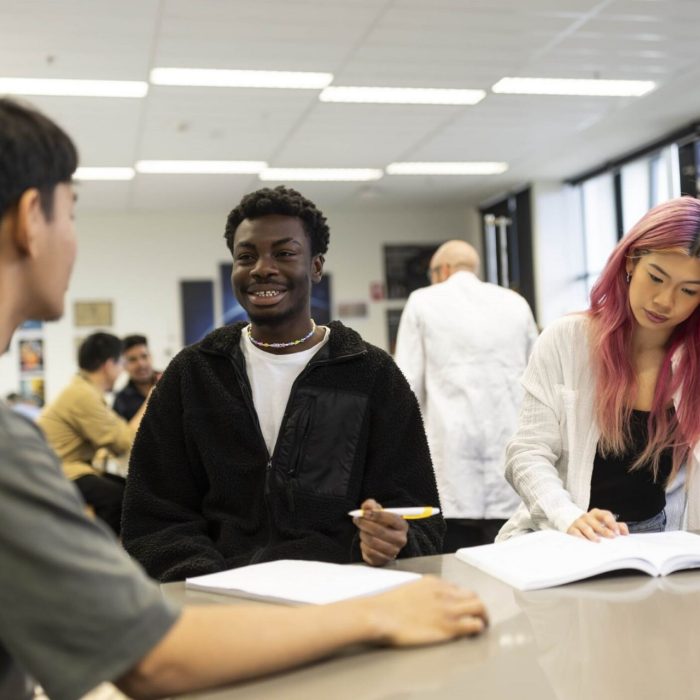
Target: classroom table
{"points": [[627, 636]]}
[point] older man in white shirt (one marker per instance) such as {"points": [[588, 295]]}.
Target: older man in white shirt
{"points": [[463, 345]]}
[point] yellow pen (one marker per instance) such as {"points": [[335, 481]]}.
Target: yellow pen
{"points": [[412, 513]]}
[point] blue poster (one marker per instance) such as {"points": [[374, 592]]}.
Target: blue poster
{"points": [[197, 299]]}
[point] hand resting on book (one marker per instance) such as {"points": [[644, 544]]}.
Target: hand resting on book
{"points": [[595, 524]]}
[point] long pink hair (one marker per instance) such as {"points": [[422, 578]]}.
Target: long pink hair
{"points": [[672, 225]]}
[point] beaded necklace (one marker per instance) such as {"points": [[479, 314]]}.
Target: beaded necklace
{"points": [[263, 344]]}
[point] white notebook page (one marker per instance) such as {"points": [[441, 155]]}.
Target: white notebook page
{"points": [[303, 581], [554, 557]]}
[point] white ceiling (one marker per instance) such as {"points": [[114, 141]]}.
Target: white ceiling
{"points": [[417, 43]]}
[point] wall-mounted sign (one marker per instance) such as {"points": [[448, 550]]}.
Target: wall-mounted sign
{"points": [[93, 313]]}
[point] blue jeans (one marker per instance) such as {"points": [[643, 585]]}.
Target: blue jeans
{"points": [[656, 523]]}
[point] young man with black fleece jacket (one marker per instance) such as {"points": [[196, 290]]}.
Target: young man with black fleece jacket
{"points": [[259, 439]]}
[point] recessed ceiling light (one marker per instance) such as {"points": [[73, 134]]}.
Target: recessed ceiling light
{"points": [[321, 174], [447, 168], [400, 95], [91, 173], [574, 86], [200, 167], [73, 88], [211, 77]]}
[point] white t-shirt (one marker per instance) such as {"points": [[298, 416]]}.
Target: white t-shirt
{"points": [[271, 378]]}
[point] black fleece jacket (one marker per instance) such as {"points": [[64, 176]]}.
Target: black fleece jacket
{"points": [[203, 494]]}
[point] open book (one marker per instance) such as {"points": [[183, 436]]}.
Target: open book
{"points": [[296, 581], [549, 558]]}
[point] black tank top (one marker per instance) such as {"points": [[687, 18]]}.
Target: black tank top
{"points": [[632, 495]]}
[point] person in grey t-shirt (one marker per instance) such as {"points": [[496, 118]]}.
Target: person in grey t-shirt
{"points": [[74, 609], [87, 613]]}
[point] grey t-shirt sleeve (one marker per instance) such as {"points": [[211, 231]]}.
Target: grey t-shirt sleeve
{"points": [[75, 610]]}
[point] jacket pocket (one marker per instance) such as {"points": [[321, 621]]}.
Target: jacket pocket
{"points": [[306, 417], [324, 440]]}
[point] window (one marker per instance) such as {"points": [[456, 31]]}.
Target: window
{"points": [[665, 176], [614, 201], [598, 224], [635, 192]]}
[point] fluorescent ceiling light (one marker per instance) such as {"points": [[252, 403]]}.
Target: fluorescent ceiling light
{"points": [[90, 173], [210, 77], [446, 168], [574, 86], [400, 95], [200, 167], [322, 174], [73, 88]]}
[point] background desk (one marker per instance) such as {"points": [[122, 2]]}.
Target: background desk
{"points": [[631, 637]]}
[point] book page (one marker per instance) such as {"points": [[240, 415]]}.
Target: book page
{"points": [[297, 581], [667, 551], [550, 558]]}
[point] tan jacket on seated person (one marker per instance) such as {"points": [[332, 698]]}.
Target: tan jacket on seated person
{"points": [[79, 422]]}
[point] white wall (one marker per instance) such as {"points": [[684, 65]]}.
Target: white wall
{"points": [[138, 259], [558, 251]]}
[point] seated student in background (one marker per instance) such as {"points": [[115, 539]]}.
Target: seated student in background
{"points": [[142, 377], [79, 422], [74, 609], [611, 395], [259, 439]]}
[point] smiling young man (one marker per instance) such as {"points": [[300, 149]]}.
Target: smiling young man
{"points": [[261, 438]]}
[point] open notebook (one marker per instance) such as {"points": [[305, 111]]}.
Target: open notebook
{"points": [[548, 558], [296, 581]]}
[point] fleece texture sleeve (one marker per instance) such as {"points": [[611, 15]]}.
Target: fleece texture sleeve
{"points": [[163, 525], [399, 471]]}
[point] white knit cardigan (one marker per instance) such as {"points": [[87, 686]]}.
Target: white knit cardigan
{"points": [[549, 460]]}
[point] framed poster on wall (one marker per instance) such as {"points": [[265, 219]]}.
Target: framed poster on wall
{"points": [[406, 268], [197, 303], [31, 355], [93, 313]]}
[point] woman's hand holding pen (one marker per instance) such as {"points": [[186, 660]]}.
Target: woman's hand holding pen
{"points": [[382, 535], [597, 523]]}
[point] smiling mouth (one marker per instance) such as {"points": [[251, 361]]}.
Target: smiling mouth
{"points": [[261, 297]]}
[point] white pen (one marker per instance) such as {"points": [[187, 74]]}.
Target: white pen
{"points": [[412, 513]]}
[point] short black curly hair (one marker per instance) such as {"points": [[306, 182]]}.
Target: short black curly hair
{"points": [[286, 202]]}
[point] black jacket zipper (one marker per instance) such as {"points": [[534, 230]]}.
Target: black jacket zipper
{"points": [[244, 385]]}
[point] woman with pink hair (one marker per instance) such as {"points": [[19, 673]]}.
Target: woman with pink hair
{"points": [[609, 430]]}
